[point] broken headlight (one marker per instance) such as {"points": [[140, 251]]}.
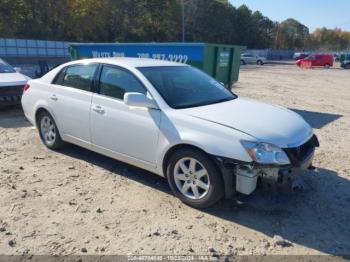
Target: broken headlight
{"points": [[264, 153]]}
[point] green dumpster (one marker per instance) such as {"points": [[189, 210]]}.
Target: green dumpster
{"points": [[220, 61]]}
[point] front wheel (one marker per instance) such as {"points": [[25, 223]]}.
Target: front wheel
{"points": [[327, 66], [194, 178], [48, 131], [259, 62]]}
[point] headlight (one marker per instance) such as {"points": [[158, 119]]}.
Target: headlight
{"points": [[265, 153]]}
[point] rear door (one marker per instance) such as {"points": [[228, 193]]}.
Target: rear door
{"points": [[312, 60], [70, 100], [319, 60], [117, 129]]}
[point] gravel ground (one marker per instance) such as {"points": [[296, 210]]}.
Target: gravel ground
{"points": [[78, 202]]}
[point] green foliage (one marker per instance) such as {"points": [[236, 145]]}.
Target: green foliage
{"points": [[327, 39], [215, 21], [292, 34]]}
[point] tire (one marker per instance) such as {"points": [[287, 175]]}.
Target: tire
{"points": [[347, 66], [259, 62], [48, 131], [327, 66], [243, 62], [203, 174]]}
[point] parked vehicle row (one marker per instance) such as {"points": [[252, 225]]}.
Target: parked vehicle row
{"points": [[11, 84], [173, 120]]}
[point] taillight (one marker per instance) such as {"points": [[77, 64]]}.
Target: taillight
{"points": [[26, 87]]}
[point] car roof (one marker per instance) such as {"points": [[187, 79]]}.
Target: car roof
{"points": [[129, 62]]}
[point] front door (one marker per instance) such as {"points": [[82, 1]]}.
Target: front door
{"points": [[118, 128]]}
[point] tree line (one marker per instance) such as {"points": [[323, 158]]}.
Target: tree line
{"points": [[215, 21]]}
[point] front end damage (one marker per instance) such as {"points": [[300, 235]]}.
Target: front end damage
{"points": [[247, 176]]}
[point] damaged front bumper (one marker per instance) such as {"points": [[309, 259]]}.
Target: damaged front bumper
{"points": [[247, 175]]}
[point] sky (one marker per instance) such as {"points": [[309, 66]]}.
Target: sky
{"points": [[312, 13]]}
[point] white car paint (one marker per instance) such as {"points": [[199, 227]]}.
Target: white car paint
{"points": [[12, 78], [271, 124], [143, 136]]}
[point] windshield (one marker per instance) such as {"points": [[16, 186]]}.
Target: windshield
{"points": [[310, 57], [6, 68], [185, 86]]}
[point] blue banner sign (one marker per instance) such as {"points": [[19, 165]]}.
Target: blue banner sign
{"points": [[181, 53]]}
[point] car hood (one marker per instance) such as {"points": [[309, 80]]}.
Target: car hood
{"points": [[267, 123], [13, 79]]}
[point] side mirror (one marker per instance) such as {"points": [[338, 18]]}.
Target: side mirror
{"points": [[18, 69], [139, 100]]}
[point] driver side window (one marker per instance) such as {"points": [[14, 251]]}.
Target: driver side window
{"points": [[115, 82]]}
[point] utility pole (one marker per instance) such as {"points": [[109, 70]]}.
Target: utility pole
{"points": [[276, 40], [183, 20]]}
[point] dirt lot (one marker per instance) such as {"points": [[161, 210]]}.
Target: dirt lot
{"points": [[76, 202]]}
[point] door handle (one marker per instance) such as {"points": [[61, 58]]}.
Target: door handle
{"points": [[54, 97], [98, 109]]}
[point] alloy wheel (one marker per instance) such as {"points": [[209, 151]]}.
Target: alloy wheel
{"points": [[48, 130], [191, 178]]}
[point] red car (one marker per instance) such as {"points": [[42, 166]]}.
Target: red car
{"points": [[324, 60]]}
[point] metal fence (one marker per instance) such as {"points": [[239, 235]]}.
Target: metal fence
{"points": [[272, 54], [10, 47]]}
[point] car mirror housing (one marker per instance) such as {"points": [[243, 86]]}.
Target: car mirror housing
{"points": [[139, 100]]}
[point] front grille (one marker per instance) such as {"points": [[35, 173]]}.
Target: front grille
{"points": [[298, 154]]}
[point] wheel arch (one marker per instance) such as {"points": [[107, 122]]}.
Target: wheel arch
{"points": [[225, 173], [38, 112], [177, 147], [43, 108]]}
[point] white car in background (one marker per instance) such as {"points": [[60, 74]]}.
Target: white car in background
{"points": [[247, 58], [170, 119], [11, 84]]}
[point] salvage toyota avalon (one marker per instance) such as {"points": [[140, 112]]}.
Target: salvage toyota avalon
{"points": [[173, 120]]}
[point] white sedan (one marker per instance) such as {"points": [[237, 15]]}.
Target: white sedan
{"points": [[11, 84], [170, 119]]}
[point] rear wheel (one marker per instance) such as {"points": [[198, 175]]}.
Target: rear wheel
{"points": [[327, 66], [347, 66], [194, 178], [48, 131], [259, 62], [243, 62]]}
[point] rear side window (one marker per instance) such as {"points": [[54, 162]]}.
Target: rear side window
{"points": [[115, 82], [59, 77], [77, 76]]}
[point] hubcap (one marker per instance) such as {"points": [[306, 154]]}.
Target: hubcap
{"points": [[191, 178], [48, 130]]}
